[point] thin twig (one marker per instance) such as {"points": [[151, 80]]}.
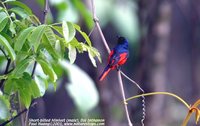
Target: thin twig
{"points": [[5, 72], [96, 21], [20, 113], [90, 33], [123, 95], [4, 53], [34, 67], [7, 66], [46, 11], [143, 98], [132, 81], [21, 109]]}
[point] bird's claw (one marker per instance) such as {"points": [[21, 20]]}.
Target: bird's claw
{"points": [[118, 68]]}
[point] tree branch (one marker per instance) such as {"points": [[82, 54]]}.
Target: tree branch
{"points": [[96, 21], [19, 114]]}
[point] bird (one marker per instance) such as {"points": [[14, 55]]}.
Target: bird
{"points": [[117, 57]]}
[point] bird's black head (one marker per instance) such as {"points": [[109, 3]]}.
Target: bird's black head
{"points": [[121, 40]]}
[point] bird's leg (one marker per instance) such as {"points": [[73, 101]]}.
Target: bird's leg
{"points": [[118, 68]]}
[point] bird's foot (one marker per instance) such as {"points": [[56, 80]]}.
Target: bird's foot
{"points": [[118, 68]]}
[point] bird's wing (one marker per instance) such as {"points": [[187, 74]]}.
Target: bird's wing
{"points": [[117, 58], [123, 58], [111, 55]]}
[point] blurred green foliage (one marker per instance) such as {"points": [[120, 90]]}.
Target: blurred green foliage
{"points": [[70, 10], [81, 88], [123, 16]]}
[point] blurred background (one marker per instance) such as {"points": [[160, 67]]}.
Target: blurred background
{"points": [[164, 56]]}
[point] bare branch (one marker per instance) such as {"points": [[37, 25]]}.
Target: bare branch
{"points": [[19, 114]]}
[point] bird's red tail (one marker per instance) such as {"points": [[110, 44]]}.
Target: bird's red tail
{"points": [[105, 73]]}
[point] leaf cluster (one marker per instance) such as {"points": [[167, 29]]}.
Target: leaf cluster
{"points": [[25, 40]]}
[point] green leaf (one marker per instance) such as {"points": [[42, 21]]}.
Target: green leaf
{"points": [[72, 31], [90, 54], [25, 86], [85, 36], [12, 28], [10, 86], [47, 69], [21, 67], [19, 4], [7, 46], [21, 56], [19, 11], [34, 19], [65, 31], [22, 38], [3, 23], [42, 84], [7, 37], [25, 97], [68, 31], [95, 53], [81, 47], [26, 89], [36, 36], [72, 53], [49, 41], [3, 20], [58, 29], [5, 107], [60, 48], [20, 24], [30, 85]]}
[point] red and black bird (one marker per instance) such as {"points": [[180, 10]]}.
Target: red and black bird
{"points": [[117, 57]]}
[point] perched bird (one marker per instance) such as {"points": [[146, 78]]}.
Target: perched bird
{"points": [[117, 57]]}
